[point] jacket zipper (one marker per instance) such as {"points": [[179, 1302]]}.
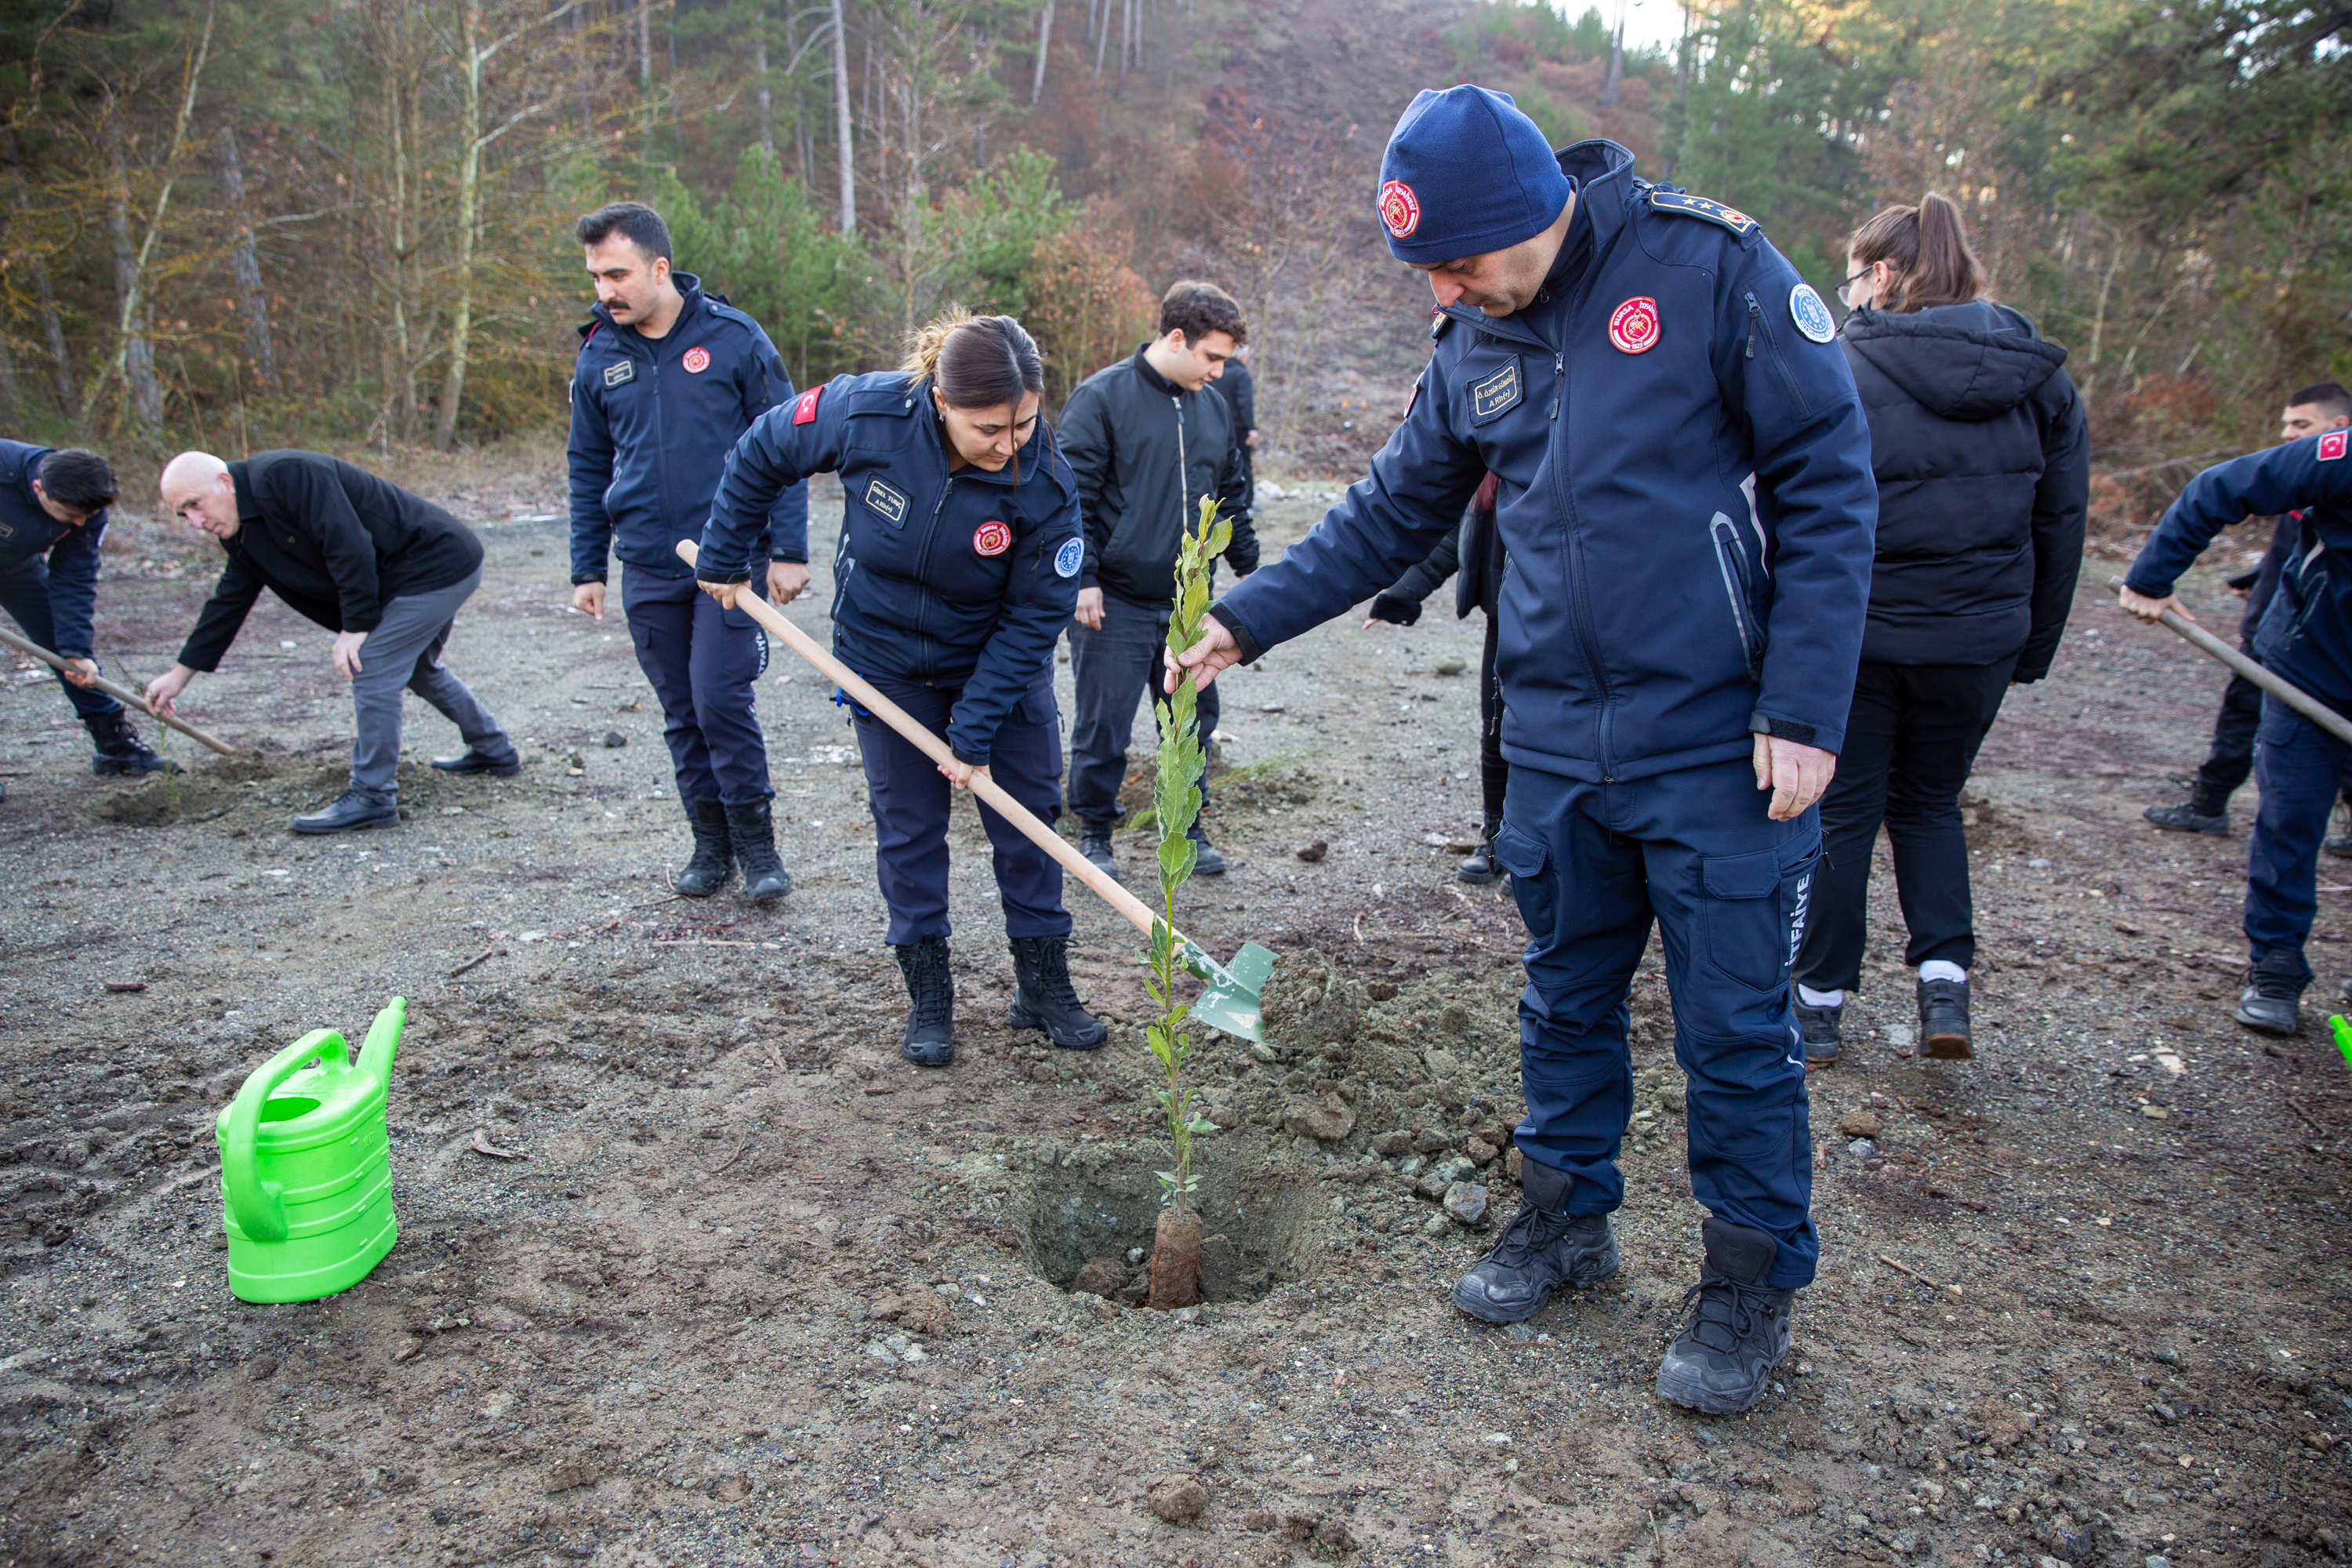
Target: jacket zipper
{"points": [[1559, 381], [1756, 323], [923, 563], [1183, 480], [1731, 560], [1579, 598]]}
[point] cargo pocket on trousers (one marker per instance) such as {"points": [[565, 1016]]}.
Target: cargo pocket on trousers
{"points": [[1528, 860], [1753, 911]]}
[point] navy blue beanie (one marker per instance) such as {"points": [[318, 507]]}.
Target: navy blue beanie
{"points": [[1465, 173]]}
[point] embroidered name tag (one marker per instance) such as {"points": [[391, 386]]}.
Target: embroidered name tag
{"points": [[615, 373], [887, 502], [1497, 393]]}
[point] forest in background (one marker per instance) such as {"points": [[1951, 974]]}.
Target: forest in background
{"points": [[348, 224]]}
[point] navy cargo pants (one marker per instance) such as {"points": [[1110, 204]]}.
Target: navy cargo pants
{"points": [[702, 661], [25, 595], [912, 799], [2300, 769], [1593, 865]]}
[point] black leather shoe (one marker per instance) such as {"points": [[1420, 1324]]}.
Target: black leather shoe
{"points": [[1479, 867], [751, 835], [1542, 1249], [2339, 844], [352, 809], [116, 748], [1943, 1020], [929, 1039], [1208, 860], [713, 861], [474, 760], [1820, 1027], [1096, 847], [2273, 999], [1722, 1361], [2186, 818], [1044, 998]]}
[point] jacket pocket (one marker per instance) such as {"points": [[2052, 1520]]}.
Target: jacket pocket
{"points": [[1731, 560], [1529, 862], [1752, 912]]}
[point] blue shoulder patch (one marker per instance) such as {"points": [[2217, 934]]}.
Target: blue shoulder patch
{"points": [[1672, 200]]}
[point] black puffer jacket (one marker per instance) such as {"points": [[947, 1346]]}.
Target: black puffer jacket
{"points": [[1979, 443]]}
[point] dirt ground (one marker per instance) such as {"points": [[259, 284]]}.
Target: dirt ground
{"points": [[754, 1291]]}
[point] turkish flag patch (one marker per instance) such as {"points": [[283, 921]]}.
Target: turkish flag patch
{"points": [[2331, 445], [804, 406], [697, 360], [1633, 325], [991, 538]]}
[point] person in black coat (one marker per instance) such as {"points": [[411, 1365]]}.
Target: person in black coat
{"points": [[1239, 390], [1472, 556], [1979, 443]]}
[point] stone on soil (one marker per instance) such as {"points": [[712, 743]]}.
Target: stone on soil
{"points": [[1325, 1119], [918, 1311], [1467, 1205], [1178, 1500], [1860, 1124], [1100, 1277]]}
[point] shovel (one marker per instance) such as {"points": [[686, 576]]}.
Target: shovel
{"points": [[1230, 1000], [2285, 690], [121, 694]]}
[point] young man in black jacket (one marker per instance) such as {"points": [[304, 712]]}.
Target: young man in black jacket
{"points": [[384, 570], [1148, 438]]}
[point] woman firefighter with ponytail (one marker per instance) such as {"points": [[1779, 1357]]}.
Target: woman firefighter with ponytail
{"points": [[956, 572]]}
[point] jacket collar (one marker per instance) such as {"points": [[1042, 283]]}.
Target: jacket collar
{"points": [[248, 507], [689, 287], [1153, 379]]}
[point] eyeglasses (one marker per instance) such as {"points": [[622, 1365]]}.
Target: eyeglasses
{"points": [[1851, 282]]}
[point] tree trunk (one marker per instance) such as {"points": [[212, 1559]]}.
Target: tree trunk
{"points": [[767, 103], [1044, 42], [646, 45], [848, 149], [9, 392], [1616, 66], [243, 266], [469, 193], [1102, 39], [45, 297], [1126, 37], [135, 353]]}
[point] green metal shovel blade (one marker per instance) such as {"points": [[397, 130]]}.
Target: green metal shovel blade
{"points": [[1229, 1000]]}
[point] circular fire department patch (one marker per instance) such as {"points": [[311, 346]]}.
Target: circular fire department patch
{"points": [[696, 360], [1634, 326], [1400, 208], [991, 538]]}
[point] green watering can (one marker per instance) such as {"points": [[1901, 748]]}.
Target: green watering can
{"points": [[306, 1166]]}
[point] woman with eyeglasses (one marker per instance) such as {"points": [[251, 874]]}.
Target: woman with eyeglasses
{"points": [[1977, 440]]}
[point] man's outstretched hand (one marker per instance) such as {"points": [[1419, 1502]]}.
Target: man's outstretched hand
{"points": [[1797, 775], [1207, 659], [2141, 607]]}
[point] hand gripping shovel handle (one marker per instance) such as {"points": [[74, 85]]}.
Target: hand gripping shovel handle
{"points": [[121, 694], [1137, 911], [2286, 691]]}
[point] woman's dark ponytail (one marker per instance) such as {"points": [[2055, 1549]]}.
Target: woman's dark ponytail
{"points": [[1928, 247]]}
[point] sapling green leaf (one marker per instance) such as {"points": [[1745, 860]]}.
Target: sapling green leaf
{"points": [[1175, 807]]}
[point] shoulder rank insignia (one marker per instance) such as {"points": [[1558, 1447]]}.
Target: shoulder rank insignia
{"points": [[1689, 205]]}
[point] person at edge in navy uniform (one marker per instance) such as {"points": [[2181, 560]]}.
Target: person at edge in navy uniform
{"points": [[1687, 509], [668, 378], [52, 515], [2307, 638], [956, 569]]}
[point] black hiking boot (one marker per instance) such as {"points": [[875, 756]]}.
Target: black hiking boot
{"points": [[1096, 847], [1044, 998], [474, 760], [1820, 1028], [116, 748], [2188, 818], [929, 1038], [1542, 1249], [2273, 994], [1722, 1361], [713, 863], [354, 808], [1208, 860], [751, 836], [2339, 844], [1943, 1020], [1479, 867]]}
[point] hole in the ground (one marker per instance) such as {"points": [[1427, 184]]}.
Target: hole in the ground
{"points": [[1078, 1221]]}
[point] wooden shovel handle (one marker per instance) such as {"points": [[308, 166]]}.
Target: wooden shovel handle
{"points": [[121, 694], [2278, 685], [1137, 911]]}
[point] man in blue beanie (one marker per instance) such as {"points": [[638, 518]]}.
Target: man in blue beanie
{"points": [[1687, 506]]}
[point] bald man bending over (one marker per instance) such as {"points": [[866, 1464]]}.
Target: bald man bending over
{"points": [[382, 569]]}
